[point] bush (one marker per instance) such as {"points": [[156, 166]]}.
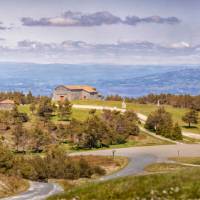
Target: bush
{"points": [[55, 165]]}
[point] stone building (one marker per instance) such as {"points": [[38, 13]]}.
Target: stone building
{"points": [[7, 104], [75, 92]]}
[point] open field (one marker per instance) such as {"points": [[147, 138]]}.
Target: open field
{"points": [[145, 109], [183, 184], [11, 185]]}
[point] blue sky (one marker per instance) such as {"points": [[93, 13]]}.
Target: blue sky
{"points": [[100, 31]]}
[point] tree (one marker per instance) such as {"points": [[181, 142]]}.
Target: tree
{"points": [[39, 139], [161, 122], [191, 117], [95, 135], [45, 108], [64, 110], [29, 98], [6, 159], [17, 116], [32, 107], [176, 132], [19, 136]]}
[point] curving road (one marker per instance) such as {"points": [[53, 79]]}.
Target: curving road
{"points": [[37, 191], [139, 158]]}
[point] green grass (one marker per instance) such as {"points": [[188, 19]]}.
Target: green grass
{"points": [[145, 109], [24, 109], [188, 160], [183, 184], [142, 140]]}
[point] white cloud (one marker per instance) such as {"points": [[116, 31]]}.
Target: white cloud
{"points": [[122, 52], [180, 45]]}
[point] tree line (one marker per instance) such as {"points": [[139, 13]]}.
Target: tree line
{"points": [[180, 101]]}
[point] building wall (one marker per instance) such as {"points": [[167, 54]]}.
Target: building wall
{"points": [[6, 106], [62, 93]]}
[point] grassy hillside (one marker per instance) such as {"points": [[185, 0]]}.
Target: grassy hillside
{"points": [[145, 109], [183, 184], [11, 185]]}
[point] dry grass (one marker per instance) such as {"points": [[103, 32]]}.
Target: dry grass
{"points": [[187, 160], [10, 185], [164, 167], [108, 163]]}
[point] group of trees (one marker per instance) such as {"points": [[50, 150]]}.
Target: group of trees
{"points": [[160, 121], [18, 97], [181, 101], [111, 127], [55, 164]]}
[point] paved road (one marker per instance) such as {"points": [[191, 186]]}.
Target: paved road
{"points": [[139, 157], [37, 191]]}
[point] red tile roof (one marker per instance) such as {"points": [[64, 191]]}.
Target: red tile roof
{"points": [[87, 88]]}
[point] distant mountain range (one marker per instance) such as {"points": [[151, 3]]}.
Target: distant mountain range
{"points": [[108, 79]]}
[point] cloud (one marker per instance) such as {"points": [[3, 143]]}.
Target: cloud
{"points": [[70, 19], [3, 27], [180, 45], [122, 52], [134, 20]]}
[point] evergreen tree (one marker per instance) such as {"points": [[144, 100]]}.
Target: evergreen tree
{"points": [[45, 108], [191, 117], [6, 159], [29, 98], [177, 133], [65, 110]]}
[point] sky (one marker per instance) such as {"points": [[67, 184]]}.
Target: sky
{"points": [[100, 31]]}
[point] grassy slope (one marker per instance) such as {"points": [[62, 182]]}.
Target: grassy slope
{"points": [[174, 185], [146, 109], [11, 185]]}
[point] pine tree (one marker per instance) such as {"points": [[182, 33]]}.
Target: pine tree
{"points": [[191, 117], [177, 132], [65, 110]]}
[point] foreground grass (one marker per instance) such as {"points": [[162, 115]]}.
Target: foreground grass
{"points": [[10, 185], [187, 160], [183, 184]]}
